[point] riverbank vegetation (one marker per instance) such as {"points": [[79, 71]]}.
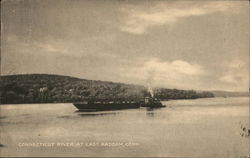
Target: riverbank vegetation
{"points": [[165, 94], [44, 88]]}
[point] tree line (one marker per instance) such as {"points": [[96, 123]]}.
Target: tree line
{"points": [[44, 88]]}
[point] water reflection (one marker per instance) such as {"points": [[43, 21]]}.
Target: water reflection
{"points": [[65, 116], [96, 114], [4, 123], [150, 113]]}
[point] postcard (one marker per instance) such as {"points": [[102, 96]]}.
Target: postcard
{"points": [[124, 78]]}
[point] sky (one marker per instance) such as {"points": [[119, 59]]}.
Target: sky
{"points": [[200, 45]]}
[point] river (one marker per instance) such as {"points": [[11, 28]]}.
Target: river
{"points": [[210, 127]]}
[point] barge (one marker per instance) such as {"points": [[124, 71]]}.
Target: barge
{"points": [[104, 106], [92, 106]]}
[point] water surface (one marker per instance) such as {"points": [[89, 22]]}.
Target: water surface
{"points": [[185, 128]]}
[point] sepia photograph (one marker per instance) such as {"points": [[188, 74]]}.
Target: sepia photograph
{"points": [[125, 78]]}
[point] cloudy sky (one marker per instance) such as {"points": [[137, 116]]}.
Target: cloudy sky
{"points": [[201, 45]]}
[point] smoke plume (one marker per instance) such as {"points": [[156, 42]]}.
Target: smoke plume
{"points": [[150, 79]]}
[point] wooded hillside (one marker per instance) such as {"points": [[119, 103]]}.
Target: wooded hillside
{"points": [[44, 88]]}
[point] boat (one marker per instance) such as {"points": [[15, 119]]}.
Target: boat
{"points": [[152, 102], [93, 106]]}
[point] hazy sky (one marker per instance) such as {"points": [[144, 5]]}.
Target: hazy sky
{"points": [[201, 45]]}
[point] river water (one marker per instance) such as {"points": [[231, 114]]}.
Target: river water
{"points": [[185, 128]]}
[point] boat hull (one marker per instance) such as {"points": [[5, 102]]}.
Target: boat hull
{"points": [[88, 107], [153, 105]]}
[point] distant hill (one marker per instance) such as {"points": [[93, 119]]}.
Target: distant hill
{"points": [[44, 88], [229, 94]]}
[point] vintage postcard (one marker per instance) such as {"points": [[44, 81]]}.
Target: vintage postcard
{"points": [[124, 78]]}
